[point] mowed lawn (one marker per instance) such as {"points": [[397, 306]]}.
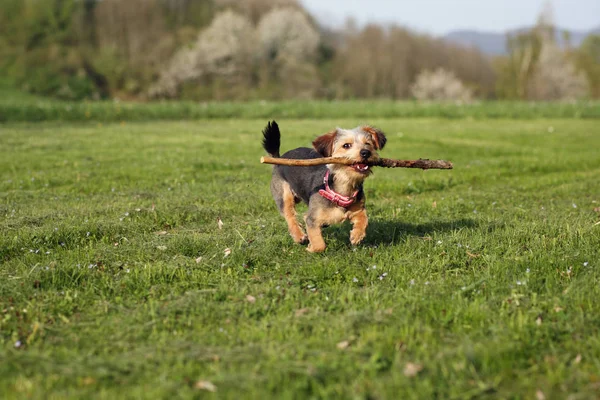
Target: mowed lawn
{"points": [[118, 281]]}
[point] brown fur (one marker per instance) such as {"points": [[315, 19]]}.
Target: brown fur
{"points": [[377, 135], [289, 213], [324, 143]]}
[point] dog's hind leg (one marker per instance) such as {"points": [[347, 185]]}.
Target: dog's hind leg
{"points": [[316, 244], [286, 203]]}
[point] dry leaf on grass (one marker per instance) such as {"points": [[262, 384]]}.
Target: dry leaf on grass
{"points": [[551, 360], [205, 385], [88, 380], [343, 345], [250, 299], [161, 232], [539, 395], [198, 260], [227, 251], [219, 223], [577, 359], [300, 312], [412, 369]]}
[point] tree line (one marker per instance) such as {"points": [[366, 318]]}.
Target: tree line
{"points": [[267, 49]]}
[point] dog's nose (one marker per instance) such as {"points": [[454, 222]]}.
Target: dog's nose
{"points": [[364, 153]]}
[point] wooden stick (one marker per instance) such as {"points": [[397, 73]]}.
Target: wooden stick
{"points": [[383, 162]]}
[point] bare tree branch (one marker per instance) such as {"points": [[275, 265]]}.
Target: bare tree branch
{"points": [[382, 162]]}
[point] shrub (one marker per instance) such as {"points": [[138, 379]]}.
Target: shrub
{"points": [[287, 33], [556, 77], [440, 85], [288, 45], [221, 50], [588, 61]]}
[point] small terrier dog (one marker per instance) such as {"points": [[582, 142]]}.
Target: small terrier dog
{"points": [[334, 193]]}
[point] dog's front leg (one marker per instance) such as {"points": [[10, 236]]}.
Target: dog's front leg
{"points": [[359, 222]]}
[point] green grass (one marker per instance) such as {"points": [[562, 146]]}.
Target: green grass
{"points": [[28, 109], [17, 106], [114, 281]]}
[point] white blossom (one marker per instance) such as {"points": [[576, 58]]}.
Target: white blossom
{"points": [[440, 85], [287, 33], [220, 49]]}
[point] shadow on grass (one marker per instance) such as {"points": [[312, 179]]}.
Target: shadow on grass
{"points": [[392, 232]]}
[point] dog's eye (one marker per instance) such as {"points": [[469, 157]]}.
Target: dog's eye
{"points": [[347, 145]]}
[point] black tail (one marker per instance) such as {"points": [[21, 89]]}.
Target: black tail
{"points": [[272, 139]]}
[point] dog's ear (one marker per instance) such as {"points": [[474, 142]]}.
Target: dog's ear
{"points": [[377, 135], [324, 143]]}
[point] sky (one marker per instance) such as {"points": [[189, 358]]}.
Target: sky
{"points": [[439, 17]]}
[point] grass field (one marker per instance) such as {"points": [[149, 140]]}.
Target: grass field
{"points": [[16, 106], [117, 282]]}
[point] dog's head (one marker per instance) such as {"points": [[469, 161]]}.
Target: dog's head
{"points": [[359, 144]]}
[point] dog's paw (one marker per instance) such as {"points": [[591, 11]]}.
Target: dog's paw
{"points": [[315, 249], [357, 237], [300, 239]]}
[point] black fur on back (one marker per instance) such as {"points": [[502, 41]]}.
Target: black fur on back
{"points": [[272, 139]]}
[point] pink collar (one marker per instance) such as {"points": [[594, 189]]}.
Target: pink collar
{"points": [[336, 198]]}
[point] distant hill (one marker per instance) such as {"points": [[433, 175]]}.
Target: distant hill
{"points": [[495, 43]]}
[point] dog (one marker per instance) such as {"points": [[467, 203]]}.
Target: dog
{"points": [[334, 193]]}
